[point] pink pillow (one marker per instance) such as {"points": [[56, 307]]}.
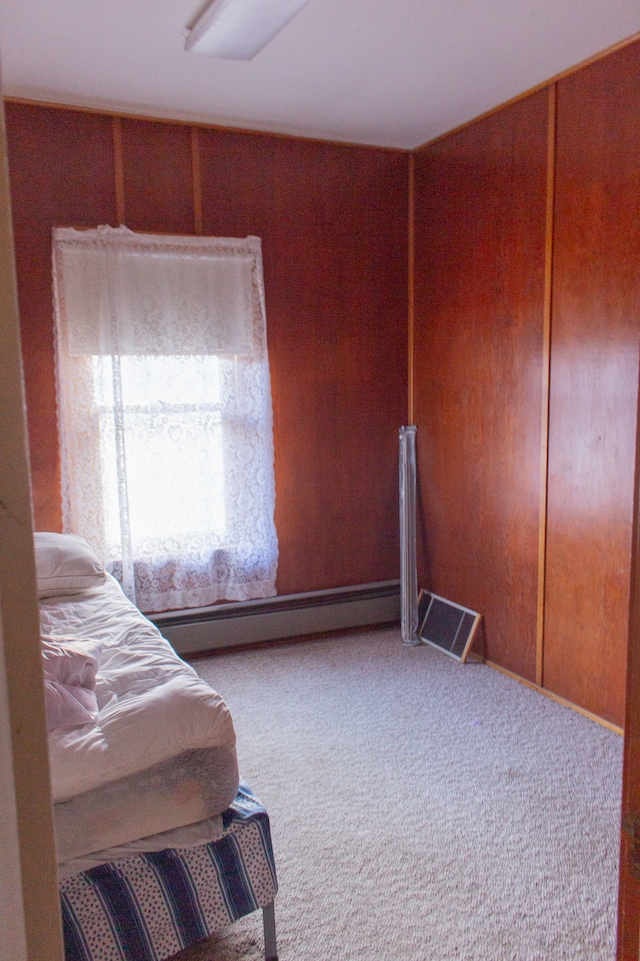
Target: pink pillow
{"points": [[69, 666]]}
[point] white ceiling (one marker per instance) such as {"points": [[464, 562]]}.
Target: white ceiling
{"points": [[394, 73]]}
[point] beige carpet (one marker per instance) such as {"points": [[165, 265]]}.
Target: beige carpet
{"points": [[421, 810]]}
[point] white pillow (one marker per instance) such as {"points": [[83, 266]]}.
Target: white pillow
{"points": [[65, 564]]}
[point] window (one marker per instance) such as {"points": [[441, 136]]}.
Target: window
{"points": [[164, 409]]}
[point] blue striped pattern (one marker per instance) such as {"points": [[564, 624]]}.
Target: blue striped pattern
{"points": [[127, 922], [180, 890], [75, 947], [148, 907]]}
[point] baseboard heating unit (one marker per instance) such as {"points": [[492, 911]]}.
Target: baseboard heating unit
{"points": [[278, 618]]}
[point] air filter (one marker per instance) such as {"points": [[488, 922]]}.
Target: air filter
{"points": [[445, 625]]}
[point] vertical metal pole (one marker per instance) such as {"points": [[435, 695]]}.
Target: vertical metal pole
{"points": [[408, 566]]}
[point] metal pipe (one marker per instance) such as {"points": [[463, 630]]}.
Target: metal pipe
{"points": [[408, 564]]}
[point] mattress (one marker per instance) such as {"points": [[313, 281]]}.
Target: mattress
{"points": [[161, 752], [186, 837], [183, 790]]}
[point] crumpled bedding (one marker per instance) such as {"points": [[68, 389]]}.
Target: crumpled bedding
{"points": [[151, 705], [69, 668]]}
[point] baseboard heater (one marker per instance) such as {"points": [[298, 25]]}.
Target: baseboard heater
{"points": [[276, 618]]}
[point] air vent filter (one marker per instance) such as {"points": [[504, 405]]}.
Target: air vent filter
{"points": [[445, 625]]}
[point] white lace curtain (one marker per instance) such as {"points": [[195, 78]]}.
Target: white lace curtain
{"points": [[164, 410]]}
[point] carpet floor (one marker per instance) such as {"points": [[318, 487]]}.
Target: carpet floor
{"points": [[421, 810]]}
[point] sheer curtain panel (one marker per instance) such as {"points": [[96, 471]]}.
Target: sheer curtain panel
{"points": [[164, 412]]}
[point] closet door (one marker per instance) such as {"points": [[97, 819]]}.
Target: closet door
{"points": [[594, 382]]}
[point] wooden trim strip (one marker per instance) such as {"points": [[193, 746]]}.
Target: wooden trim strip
{"points": [[197, 181], [200, 124], [528, 93], [118, 169], [550, 695], [546, 382], [114, 112], [411, 293]]}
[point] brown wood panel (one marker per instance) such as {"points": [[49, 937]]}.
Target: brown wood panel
{"points": [[158, 176], [333, 223], [594, 361], [61, 170], [479, 328]]}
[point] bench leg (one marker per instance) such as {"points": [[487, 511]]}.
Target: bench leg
{"points": [[269, 926]]}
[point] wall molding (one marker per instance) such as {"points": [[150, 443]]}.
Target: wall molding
{"points": [[129, 113], [547, 693], [601, 55], [546, 382]]}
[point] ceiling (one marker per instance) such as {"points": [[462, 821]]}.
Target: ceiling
{"points": [[395, 73]]}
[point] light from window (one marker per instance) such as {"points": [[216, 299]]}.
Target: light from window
{"points": [[173, 446], [164, 411]]}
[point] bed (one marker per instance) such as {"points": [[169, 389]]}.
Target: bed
{"points": [[158, 843]]}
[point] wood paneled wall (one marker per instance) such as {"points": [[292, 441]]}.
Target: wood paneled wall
{"points": [[333, 223], [526, 356], [62, 173], [480, 202], [594, 382], [526, 319]]}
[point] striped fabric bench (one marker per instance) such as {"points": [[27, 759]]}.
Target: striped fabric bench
{"points": [[152, 905]]}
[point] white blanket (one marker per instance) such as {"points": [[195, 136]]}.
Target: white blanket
{"points": [[151, 705], [70, 668]]}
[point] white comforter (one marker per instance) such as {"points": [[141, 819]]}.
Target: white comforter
{"points": [[151, 704]]}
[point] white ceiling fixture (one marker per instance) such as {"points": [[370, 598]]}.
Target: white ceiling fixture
{"points": [[239, 29]]}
